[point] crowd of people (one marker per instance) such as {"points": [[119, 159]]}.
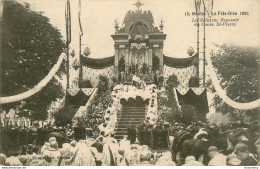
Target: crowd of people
{"points": [[198, 144]]}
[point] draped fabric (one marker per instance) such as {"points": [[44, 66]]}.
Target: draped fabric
{"points": [[77, 99], [88, 91], [200, 102], [136, 97], [98, 63], [80, 98], [180, 62], [196, 90], [183, 74], [73, 91], [93, 74], [241, 106], [37, 88], [81, 112]]}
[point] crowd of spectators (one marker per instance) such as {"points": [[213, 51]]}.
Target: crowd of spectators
{"points": [[198, 144]]}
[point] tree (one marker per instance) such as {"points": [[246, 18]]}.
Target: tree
{"points": [[86, 52], [73, 53], [167, 102], [85, 83], [189, 114], [64, 116], [194, 82], [238, 70], [30, 46], [171, 83], [103, 85]]}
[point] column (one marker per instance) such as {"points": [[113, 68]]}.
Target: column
{"points": [[134, 57], [130, 58], [127, 59], [146, 57], [161, 58], [150, 56], [116, 58]]}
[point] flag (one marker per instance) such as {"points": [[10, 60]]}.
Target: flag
{"points": [[197, 6], [81, 31], [208, 4], [68, 21]]}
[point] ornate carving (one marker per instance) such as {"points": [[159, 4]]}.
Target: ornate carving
{"points": [[138, 45], [138, 16]]}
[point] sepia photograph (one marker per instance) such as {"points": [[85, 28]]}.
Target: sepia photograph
{"points": [[129, 83]]}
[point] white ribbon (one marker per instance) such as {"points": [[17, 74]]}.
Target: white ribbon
{"points": [[37, 88], [241, 106]]}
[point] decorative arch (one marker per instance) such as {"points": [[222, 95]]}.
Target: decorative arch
{"points": [[133, 23]]}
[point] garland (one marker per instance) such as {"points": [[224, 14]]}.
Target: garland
{"points": [[180, 62], [37, 88], [98, 63], [241, 106]]}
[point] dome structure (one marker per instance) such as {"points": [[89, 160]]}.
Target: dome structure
{"points": [[136, 20]]}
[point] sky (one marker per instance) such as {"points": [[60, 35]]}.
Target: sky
{"points": [[98, 17]]}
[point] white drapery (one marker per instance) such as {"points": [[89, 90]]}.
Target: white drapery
{"points": [[241, 106], [38, 87]]}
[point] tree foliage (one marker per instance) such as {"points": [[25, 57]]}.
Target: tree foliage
{"points": [[103, 85], [194, 82], [102, 98], [64, 116], [189, 114], [238, 70], [30, 46], [86, 52], [167, 102]]}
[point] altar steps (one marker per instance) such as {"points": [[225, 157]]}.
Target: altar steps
{"points": [[131, 115]]}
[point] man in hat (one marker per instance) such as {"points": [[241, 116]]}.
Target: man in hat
{"points": [[242, 152], [98, 144], [52, 154], [217, 159], [145, 157], [191, 161], [165, 160], [232, 160]]}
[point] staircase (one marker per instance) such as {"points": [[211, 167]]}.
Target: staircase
{"points": [[129, 115]]}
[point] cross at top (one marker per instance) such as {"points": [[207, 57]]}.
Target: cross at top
{"points": [[138, 4]]}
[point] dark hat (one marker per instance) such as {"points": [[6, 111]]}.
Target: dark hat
{"points": [[240, 147]]}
